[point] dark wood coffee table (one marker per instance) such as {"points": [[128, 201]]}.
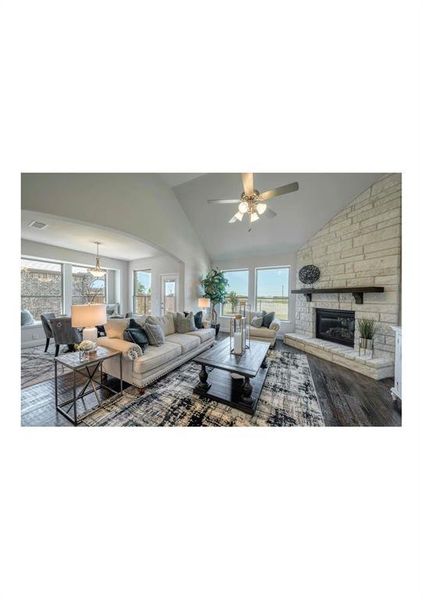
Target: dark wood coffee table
{"points": [[217, 385]]}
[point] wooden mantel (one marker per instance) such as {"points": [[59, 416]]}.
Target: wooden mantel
{"points": [[357, 292]]}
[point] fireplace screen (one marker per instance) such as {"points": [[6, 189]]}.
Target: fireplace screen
{"points": [[335, 325]]}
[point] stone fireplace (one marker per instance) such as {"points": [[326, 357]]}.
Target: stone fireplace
{"points": [[358, 247], [335, 326]]}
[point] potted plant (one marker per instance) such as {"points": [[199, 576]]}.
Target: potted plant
{"points": [[215, 284], [367, 328], [232, 298]]}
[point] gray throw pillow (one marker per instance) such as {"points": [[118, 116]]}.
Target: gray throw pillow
{"points": [[154, 333], [26, 318], [267, 319], [257, 321], [183, 323]]}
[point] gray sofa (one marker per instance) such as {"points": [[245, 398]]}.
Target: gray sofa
{"points": [[156, 360]]}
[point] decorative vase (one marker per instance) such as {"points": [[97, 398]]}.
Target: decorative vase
{"points": [[365, 347]]}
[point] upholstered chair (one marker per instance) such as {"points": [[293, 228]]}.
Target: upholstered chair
{"points": [[45, 320], [64, 333]]}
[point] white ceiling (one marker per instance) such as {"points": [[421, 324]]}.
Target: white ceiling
{"points": [[300, 214], [77, 236], [174, 179]]}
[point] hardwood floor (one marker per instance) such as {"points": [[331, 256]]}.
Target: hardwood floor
{"points": [[346, 398]]}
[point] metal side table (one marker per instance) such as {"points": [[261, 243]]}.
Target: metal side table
{"points": [[88, 367]]}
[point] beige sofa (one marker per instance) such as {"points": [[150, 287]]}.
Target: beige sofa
{"points": [[265, 334], [156, 360]]}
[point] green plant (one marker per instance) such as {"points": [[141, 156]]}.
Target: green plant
{"points": [[215, 284], [367, 328], [232, 298]]}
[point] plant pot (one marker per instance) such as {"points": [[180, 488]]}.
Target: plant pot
{"points": [[365, 348]]}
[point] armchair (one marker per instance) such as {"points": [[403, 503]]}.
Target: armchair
{"points": [[45, 320], [64, 333]]}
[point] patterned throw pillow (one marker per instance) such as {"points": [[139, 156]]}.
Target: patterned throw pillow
{"points": [[268, 318], [198, 319], [257, 321], [184, 323], [154, 333]]}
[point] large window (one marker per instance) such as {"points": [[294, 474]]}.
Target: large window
{"points": [[142, 292], [272, 288], [238, 285], [41, 287], [86, 287]]}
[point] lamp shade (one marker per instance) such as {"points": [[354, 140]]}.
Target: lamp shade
{"points": [[88, 315], [204, 303]]}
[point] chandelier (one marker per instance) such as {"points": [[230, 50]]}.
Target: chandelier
{"points": [[97, 271]]}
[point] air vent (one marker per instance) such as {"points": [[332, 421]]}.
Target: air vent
{"points": [[37, 225]]}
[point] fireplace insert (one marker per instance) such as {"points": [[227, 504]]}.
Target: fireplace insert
{"points": [[335, 325]]}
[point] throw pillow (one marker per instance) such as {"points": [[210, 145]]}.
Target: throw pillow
{"points": [[257, 321], [184, 323], [154, 333], [136, 334], [267, 319], [198, 320], [26, 318]]}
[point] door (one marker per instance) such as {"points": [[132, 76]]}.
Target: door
{"points": [[169, 293]]}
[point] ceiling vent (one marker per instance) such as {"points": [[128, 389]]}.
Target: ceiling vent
{"points": [[37, 225]]}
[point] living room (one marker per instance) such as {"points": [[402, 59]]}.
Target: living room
{"points": [[256, 273]]}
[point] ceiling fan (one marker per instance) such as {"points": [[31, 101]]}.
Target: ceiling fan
{"points": [[253, 203]]}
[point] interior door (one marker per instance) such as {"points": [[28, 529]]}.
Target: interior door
{"points": [[169, 293]]}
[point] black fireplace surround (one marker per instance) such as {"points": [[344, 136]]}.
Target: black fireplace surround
{"points": [[335, 326]]}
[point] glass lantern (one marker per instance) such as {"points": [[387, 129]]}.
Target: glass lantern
{"points": [[238, 335], [244, 309]]}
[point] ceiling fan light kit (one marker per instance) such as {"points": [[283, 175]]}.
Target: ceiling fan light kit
{"points": [[252, 202]]}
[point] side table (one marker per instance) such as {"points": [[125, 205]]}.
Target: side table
{"points": [[88, 368]]}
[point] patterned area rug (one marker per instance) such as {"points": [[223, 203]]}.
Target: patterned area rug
{"points": [[37, 365], [288, 399]]}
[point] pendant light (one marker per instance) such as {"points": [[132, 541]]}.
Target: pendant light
{"points": [[97, 271]]}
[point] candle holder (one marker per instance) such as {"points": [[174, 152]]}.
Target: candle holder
{"points": [[238, 335], [244, 309]]}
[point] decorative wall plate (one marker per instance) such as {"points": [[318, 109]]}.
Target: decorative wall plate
{"points": [[309, 274]]}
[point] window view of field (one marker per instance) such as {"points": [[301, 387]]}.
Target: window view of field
{"points": [[271, 288]]}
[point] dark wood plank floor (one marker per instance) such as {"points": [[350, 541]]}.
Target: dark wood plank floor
{"points": [[346, 398]]}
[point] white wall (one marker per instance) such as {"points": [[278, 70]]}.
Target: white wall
{"points": [[141, 205], [159, 265], [251, 263], [118, 284]]}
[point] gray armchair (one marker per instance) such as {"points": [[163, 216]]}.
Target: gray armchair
{"points": [[64, 333], [45, 320]]}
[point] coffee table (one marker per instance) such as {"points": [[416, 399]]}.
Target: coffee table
{"points": [[217, 385]]}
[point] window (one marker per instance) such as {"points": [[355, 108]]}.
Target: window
{"points": [[238, 283], [272, 287], [87, 288], [142, 292], [41, 287]]}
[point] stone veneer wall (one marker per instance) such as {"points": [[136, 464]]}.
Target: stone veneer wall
{"points": [[360, 246]]}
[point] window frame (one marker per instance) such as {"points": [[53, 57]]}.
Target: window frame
{"points": [[134, 295], [62, 287], [247, 270], [106, 286], [268, 268]]}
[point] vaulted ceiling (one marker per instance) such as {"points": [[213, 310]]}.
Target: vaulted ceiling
{"points": [[299, 214]]}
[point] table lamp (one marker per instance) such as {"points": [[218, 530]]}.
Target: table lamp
{"points": [[204, 303], [88, 316]]}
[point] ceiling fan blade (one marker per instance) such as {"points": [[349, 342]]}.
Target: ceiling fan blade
{"points": [[248, 183], [269, 213], [279, 191], [224, 201]]}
